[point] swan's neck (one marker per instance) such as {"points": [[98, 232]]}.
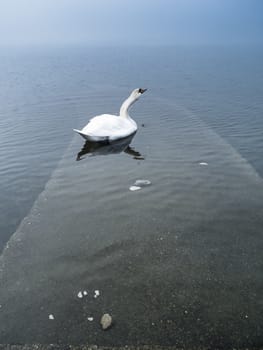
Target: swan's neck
{"points": [[125, 107]]}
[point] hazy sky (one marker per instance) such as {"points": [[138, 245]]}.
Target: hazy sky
{"points": [[129, 22]]}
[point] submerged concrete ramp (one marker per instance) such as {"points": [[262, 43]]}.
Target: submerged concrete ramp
{"points": [[177, 263]]}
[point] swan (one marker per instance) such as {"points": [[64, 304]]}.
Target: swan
{"points": [[108, 127]]}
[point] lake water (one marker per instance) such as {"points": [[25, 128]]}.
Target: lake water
{"points": [[178, 262]]}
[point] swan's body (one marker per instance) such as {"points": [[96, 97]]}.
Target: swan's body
{"points": [[108, 127]]}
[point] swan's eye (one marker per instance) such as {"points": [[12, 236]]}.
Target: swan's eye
{"points": [[140, 91]]}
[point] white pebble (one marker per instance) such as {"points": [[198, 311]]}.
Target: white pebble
{"points": [[203, 163], [96, 293], [51, 317], [90, 319], [142, 182], [85, 292], [80, 295], [135, 188]]}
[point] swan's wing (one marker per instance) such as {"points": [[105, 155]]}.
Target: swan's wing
{"points": [[101, 122]]}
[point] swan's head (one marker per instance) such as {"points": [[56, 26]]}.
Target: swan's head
{"points": [[130, 101], [137, 93]]}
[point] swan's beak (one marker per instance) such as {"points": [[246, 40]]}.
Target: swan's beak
{"points": [[142, 90]]}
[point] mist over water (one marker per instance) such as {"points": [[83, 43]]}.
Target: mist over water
{"points": [[140, 22], [177, 262]]}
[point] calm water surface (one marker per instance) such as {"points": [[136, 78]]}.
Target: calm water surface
{"points": [[178, 262]]}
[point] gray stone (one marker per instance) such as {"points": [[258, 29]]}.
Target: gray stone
{"points": [[106, 321]]}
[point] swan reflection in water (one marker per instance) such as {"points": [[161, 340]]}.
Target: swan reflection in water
{"points": [[92, 148]]}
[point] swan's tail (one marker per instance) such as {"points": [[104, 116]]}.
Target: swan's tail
{"points": [[81, 133], [92, 138]]}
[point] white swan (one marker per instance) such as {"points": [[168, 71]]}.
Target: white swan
{"points": [[108, 127]]}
